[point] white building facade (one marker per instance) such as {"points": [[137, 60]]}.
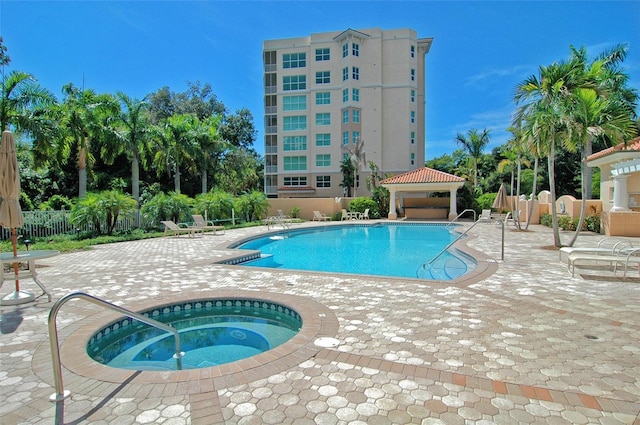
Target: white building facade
{"points": [[328, 94]]}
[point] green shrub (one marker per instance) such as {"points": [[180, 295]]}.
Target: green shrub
{"points": [[592, 223], [216, 205], [546, 220], [175, 207], [362, 203], [295, 212], [57, 202]]}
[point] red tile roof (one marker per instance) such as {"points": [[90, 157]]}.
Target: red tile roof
{"points": [[423, 175], [632, 145]]}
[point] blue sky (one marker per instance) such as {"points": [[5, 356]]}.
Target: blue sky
{"points": [[481, 49]]}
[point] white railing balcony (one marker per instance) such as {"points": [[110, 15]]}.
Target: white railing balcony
{"points": [[271, 129], [271, 169]]}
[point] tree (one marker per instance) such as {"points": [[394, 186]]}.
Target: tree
{"points": [[132, 137], [356, 155], [83, 117], [474, 143], [209, 146], [238, 129], [175, 146], [348, 175]]}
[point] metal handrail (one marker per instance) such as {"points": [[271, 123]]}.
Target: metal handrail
{"points": [[60, 393], [460, 215], [430, 262]]}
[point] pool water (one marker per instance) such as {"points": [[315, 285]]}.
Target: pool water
{"points": [[399, 250], [212, 332]]}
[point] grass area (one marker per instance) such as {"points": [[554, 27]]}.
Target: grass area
{"points": [[69, 243]]}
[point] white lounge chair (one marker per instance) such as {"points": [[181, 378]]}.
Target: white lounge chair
{"points": [[606, 246], [173, 229], [626, 258], [365, 215], [201, 223], [318, 216], [485, 215]]}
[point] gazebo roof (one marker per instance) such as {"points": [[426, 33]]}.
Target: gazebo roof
{"points": [[616, 153], [423, 180], [423, 175]]}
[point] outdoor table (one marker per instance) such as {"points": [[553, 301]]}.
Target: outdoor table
{"points": [[20, 297], [353, 215]]}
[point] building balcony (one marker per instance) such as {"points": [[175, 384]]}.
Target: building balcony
{"points": [[270, 109], [270, 89], [271, 190], [271, 149], [270, 68], [271, 169], [271, 129]]}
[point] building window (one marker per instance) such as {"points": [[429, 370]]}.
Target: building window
{"points": [[413, 51], [295, 123], [413, 137], [345, 73], [345, 116], [294, 103], [294, 60], [356, 73], [270, 57], [323, 181], [355, 136], [323, 160], [356, 116], [345, 95], [294, 82], [271, 121], [345, 50], [345, 138], [295, 143], [355, 49], [323, 139], [355, 95], [295, 163], [413, 116], [323, 118], [413, 159], [322, 55], [413, 96], [323, 77], [295, 181], [323, 98], [413, 74]]}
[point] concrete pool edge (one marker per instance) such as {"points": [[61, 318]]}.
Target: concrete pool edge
{"points": [[317, 321]]}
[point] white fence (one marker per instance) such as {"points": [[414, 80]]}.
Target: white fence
{"points": [[40, 224]]}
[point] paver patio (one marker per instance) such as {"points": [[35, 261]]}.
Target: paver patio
{"points": [[524, 344]]}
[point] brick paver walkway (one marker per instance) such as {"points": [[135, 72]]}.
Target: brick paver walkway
{"points": [[523, 342]]}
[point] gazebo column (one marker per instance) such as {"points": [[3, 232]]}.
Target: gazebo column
{"points": [[453, 212], [392, 205], [620, 193]]}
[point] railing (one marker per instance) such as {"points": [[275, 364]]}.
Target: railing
{"points": [[461, 214], [60, 393], [430, 262]]}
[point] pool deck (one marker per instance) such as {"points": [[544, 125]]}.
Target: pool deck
{"points": [[521, 342]]}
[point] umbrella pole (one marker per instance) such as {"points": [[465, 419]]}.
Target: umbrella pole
{"points": [[14, 242]]}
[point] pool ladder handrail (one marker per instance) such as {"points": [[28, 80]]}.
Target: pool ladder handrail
{"points": [[430, 262], [60, 393], [461, 214]]}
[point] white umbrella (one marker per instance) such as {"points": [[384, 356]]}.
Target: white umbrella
{"points": [[10, 211]]}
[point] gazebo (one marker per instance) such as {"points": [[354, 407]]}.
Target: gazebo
{"points": [[619, 187], [409, 186]]}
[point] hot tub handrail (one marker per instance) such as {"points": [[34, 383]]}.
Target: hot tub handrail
{"points": [[60, 393]]}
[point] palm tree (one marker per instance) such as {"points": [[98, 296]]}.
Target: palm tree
{"points": [[23, 106], [474, 143], [175, 146], [132, 137], [589, 117], [357, 156], [209, 145], [542, 99], [83, 117]]}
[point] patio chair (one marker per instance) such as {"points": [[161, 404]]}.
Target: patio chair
{"points": [[201, 223], [318, 216], [173, 229], [626, 258], [606, 246], [365, 215], [485, 215], [345, 215]]}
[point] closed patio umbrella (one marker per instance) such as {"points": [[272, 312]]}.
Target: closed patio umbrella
{"points": [[501, 203], [10, 211]]}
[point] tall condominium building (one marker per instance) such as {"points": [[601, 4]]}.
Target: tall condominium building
{"points": [[334, 95]]}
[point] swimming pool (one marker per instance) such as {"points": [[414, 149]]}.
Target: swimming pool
{"points": [[212, 332], [381, 249]]}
